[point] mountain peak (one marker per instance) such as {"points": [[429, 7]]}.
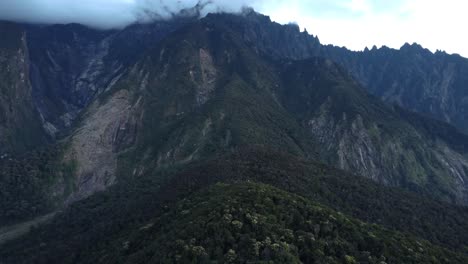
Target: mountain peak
{"points": [[413, 46], [174, 105]]}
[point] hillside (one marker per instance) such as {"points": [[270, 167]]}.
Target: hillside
{"points": [[199, 90], [20, 124], [100, 222], [207, 91], [160, 127], [250, 222], [433, 84]]}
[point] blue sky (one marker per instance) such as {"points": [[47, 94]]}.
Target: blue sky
{"points": [[356, 24], [435, 24]]}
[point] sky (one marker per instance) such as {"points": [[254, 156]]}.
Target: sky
{"points": [[356, 24]]}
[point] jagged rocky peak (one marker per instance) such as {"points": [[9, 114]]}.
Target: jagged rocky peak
{"points": [[415, 48], [168, 108], [205, 80]]}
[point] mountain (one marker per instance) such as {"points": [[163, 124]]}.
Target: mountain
{"points": [[360, 134], [433, 84], [20, 125], [208, 91], [249, 229], [129, 221], [72, 64], [149, 118]]}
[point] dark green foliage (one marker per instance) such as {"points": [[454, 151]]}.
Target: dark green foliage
{"points": [[436, 129], [106, 220], [239, 223], [433, 84], [358, 197], [300, 107], [318, 89], [250, 126], [25, 185], [256, 223], [238, 110]]}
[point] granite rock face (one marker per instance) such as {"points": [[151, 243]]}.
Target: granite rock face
{"points": [[72, 64], [20, 126], [129, 102], [433, 84]]}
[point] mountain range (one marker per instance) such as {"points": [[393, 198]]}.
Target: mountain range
{"points": [[294, 150]]}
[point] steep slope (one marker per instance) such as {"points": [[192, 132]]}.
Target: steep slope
{"points": [[20, 126], [204, 90], [192, 93], [434, 84], [188, 97], [72, 64], [50, 75], [159, 122], [66, 63], [360, 134], [356, 132], [211, 88], [51, 79], [105, 130]]}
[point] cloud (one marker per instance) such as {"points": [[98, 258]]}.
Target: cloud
{"points": [[435, 24], [96, 13], [107, 13]]}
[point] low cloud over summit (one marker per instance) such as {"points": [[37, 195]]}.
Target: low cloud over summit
{"points": [[109, 13]]}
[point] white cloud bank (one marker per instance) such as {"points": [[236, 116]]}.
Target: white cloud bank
{"points": [[435, 24], [106, 13]]}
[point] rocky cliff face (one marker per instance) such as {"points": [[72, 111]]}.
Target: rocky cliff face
{"points": [[106, 130], [20, 126], [58, 83], [205, 89], [159, 95], [163, 110], [434, 84], [415, 79], [66, 71], [200, 97], [71, 65], [361, 134]]}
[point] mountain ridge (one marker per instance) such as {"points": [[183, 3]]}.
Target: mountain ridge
{"points": [[208, 90], [404, 77], [156, 125]]}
